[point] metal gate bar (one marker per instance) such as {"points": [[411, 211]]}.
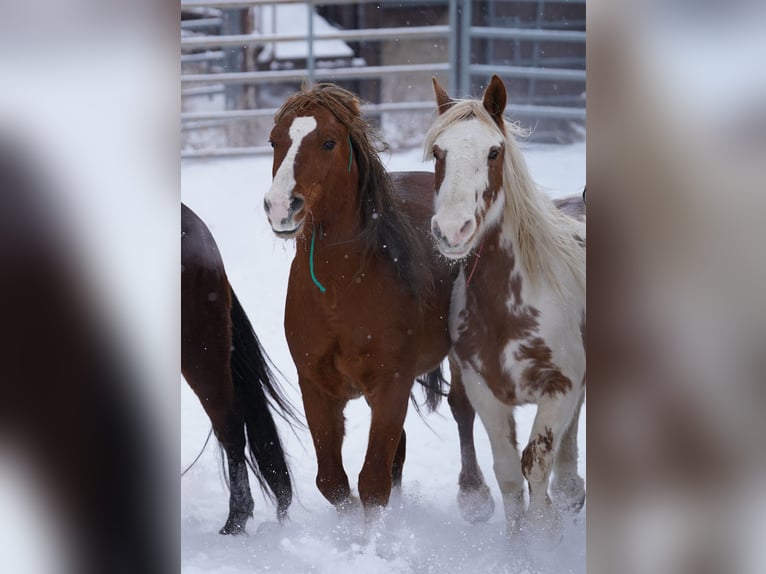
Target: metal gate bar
{"points": [[460, 68]]}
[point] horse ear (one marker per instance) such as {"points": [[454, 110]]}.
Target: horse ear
{"points": [[443, 101], [495, 98]]}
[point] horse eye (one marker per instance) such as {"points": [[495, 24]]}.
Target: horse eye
{"points": [[493, 153], [272, 144], [329, 145]]}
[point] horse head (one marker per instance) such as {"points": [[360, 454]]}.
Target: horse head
{"points": [[468, 144], [313, 167]]}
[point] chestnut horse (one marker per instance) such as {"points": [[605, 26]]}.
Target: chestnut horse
{"points": [[368, 296], [517, 320], [224, 364]]}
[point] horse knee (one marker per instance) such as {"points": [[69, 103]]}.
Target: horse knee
{"points": [[537, 459]]}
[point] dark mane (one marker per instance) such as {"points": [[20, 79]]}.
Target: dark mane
{"points": [[387, 230]]}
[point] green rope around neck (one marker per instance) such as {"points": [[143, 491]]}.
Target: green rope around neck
{"points": [[314, 232], [350, 154], [311, 263]]}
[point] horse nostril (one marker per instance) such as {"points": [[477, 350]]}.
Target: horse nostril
{"points": [[266, 206], [296, 204], [466, 228], [437, 233]]}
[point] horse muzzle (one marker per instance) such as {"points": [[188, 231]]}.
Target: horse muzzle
{"points": [[455, 242], [285, 222]]}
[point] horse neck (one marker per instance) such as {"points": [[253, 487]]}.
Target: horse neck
{"points": [[542, 244], [340, 222], [493, 262], [337, 237], [337, 230]]}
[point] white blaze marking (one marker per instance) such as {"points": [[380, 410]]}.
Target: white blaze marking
{"points": [[281, 189], [466, 174]]}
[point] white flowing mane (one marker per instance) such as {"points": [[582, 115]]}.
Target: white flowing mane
{"points": [[543, 238]]}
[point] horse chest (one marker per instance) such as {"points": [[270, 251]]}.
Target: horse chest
{"points": [[348, 336], [368, 346], [475, 336]]}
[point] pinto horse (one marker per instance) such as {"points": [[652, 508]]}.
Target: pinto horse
{"points": [[368, 296], [517, 320], [224, 364]]}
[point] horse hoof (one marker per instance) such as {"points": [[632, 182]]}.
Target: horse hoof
{"points": [[543, 529], [348, 505], [476, 505], [571, 498], [535, 536], [231, 528], [546, 539], [268, 528], [575, 506]]}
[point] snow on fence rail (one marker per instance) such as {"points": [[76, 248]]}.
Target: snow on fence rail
{"points": [[356, 35]]}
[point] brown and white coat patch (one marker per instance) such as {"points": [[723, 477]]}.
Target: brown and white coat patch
{"points": [[493, 326]]}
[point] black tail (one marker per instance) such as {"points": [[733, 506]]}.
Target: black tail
{"points": [[253, 381], [434, 385]]}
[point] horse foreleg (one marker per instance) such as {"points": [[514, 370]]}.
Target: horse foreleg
{"points": [[554, 414], [398, 465], [474, 499], [389, 408], [497, 418], [324, 415], [568, 487]]}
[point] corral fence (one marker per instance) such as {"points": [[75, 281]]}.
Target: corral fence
{"points": [[241, 58]]}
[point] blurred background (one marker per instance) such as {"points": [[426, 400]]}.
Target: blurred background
{"points": [[241, 59], [676, 285], [89, 309]]}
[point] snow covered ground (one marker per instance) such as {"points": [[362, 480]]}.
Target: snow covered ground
{"points": [[422, 531]]}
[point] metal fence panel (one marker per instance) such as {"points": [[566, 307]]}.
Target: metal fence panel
{"points": [[213, 56]]}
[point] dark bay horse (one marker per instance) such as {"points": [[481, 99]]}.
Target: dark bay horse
{"points": [[517, 320], [224, 364], [368, 296]]}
